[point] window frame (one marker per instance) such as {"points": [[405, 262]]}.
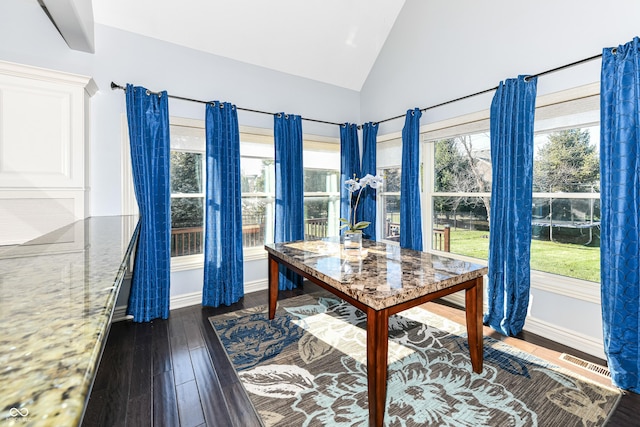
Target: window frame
{"points": [[547, 106], [129, 206], [389, 142]]}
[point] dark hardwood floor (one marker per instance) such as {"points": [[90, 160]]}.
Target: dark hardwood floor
{"points": [[175, 372]]}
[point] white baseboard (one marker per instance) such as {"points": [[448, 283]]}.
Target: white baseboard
{"points": [[185, 300], [457, 299], [256, 285], [567, 337], [193, 298], [120, 314], [561, 335]]}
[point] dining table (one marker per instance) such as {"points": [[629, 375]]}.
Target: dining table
{"points": [[382, 279]]}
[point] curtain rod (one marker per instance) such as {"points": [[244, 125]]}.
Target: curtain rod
{"points": [[117, 86], [482, 92]]}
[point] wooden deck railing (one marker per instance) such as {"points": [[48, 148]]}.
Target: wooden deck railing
{"points": [[441, 236], [189, 240], [442, 239], [315, 228], [186, 241]]}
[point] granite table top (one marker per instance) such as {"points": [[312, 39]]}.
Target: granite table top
{"points": [[381, 275], [57, 295]]}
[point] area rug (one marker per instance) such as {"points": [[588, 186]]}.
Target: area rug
{"points": [[307, 367]]}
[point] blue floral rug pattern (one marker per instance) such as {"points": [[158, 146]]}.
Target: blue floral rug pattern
{"points": [[307, 367]]}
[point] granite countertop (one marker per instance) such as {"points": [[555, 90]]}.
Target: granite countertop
{"points": [[381, 275], [57, 295]]}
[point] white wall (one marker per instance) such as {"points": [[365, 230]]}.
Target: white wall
{"points": [[442, 50], [28, 37], [439, 51]]}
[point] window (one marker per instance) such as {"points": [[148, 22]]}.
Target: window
{"points": [[320, 186], [389, 161], [321, 162], [321, 159], [460, 202], [566, 203], [390, 203], [566, 199], [187, 190], [257, 169]]}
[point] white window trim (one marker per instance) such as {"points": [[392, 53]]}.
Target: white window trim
{"points": [[477, 122]]}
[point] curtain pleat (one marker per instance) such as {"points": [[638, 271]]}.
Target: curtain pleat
{"points": [[512, 115], [368, 209], [289, 214], [620, 211], [148, 120], [349, 164], [410, 215], [223, 256]]}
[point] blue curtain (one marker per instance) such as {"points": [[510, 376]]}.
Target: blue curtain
{"points": [[512, 113], [367, 210], [148, 118], [289, 215], [410, 216], [620, 211], [349, 164], [223, 274]]}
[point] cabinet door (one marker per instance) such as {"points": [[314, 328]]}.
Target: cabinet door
{"points": [[41, 134], [42, 150]]}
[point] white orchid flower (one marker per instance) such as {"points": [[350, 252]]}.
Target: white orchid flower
{"points": [[352, 185], [376, 182], [366, 180], [357, 185]]}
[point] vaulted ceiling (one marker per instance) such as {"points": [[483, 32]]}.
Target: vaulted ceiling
{"points": [[332, 41]]}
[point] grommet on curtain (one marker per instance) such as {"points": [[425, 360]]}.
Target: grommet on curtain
{"points": [[413, 112], [286, 116], [148, 92], [221, 105], [279, 115]]}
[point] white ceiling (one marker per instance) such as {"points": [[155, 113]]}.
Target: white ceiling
{"points": [[332, 41]]}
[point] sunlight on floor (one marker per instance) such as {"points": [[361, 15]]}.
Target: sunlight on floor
{"points": [[346, 337]]}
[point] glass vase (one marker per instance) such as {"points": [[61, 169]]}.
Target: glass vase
{"points": [[352, 241]]}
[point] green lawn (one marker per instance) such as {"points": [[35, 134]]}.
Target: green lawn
{"points": [[581, 262]]}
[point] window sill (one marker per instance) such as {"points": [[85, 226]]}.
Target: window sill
{"points": [[255, 254], [194, 262], [189, 262]]}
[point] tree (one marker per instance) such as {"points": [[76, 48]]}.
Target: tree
{"points": [[459, 169], [568, 162], [186, 177], [449, 165]]}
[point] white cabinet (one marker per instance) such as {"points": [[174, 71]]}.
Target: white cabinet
{"points": [[44, 139]]}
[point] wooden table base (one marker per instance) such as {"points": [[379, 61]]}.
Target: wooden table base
{"points": [[378, 331]]}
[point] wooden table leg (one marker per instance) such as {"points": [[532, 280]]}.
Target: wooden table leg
{"points": [[273, 286], [377, 349], [473, 304]]}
